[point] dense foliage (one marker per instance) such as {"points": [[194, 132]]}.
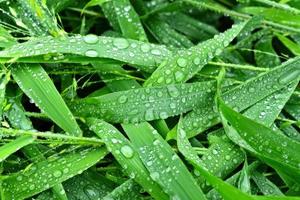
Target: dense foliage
{"points": [[150, 99]]}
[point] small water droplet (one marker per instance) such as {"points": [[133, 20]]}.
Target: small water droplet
{"points": [[122, 99], [145, 48], [91, 53]]}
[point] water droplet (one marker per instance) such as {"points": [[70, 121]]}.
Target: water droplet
{"points": [[156, 52], [91, 39], [173, 91], [149, 115], [127, 151], [181, 62], [145, 48], [163, 115], [121, 43], [154, 175], [91, 53], [196, 61], [122, 99], [179, 76], [57, 173]]}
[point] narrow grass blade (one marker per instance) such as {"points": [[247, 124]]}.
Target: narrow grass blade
{"points": [[140, 54], [126, 155], [265, 185], [186, 63], [11, 147], [164, 165], [265, 56], [273, 147], [4, 79], [241, 97], [145, 104], [129, 190], [292, 46], [35, 82], [33, 179]]}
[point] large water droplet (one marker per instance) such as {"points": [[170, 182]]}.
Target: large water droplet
{"points": [[181, 62], [90, 39], [127, 151], [173, 91], [145, 48], [154, 175], [149, 115], [57, 173], [122, 99], [121, 43], [179, 76], [91, 53]]}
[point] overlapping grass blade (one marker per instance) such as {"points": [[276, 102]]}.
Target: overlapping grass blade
{"points": [[4, 79], [241, 96], [33, 179], [145, 104], [129, 190], [126, 155], [164, 165], [186, 63], [35, 82], [265, 144], [144, 55], [13, 146]]}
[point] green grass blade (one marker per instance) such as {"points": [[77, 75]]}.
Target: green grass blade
{"points": [[241, 97], [164, 165], [144, 104], [186, 63], [33, 179], [11, 147], [292, 46], [265, 185], [144, 55], [35, 82], [4, 79], [270, 146], [126, 155], [129, 190]]}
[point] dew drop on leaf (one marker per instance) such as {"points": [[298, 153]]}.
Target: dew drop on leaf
{"points": [[90, 39], [127, 151]]}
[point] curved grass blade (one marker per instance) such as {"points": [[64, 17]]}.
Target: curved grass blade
{"points": [[273, 147], [166, 34], [164, 165], [191, 27], [33, 179], [13, 146], [4, 79], [125, 154], [227, 191], [292, 46], [186, 63], [145, 104], [269, 57], [241, 97], [128, 190], [129, 21], [265, 185], [144, 55], [35, 82]]}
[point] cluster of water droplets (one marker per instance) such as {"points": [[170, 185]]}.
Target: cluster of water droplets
{"points": [[145, 104]]}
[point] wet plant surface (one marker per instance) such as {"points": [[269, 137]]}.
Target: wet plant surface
{"points": [[149, 99]]}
